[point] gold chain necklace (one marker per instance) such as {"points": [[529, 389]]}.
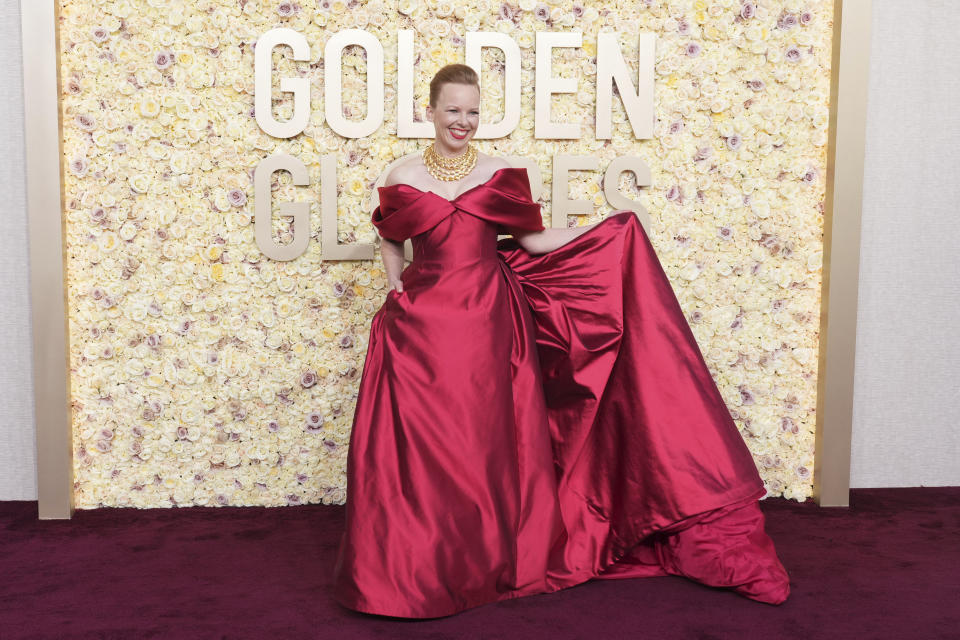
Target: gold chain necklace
{"points": [[450, 169]]}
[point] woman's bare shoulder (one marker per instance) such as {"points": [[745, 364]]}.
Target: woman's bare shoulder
{"points": [[492, 163], [407, 172]]}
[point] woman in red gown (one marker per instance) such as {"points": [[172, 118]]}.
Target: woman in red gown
{"points": [[533, 412]]}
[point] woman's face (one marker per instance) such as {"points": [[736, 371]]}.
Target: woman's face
{"points": [[456, 117]]}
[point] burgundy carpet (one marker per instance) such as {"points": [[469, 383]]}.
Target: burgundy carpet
{"points": [[887, 567]]}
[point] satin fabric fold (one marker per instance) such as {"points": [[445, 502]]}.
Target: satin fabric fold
{"points": [[525, 423]]}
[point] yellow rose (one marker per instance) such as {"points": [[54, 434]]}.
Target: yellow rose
{"points": [[140, 183], [148, 107]]}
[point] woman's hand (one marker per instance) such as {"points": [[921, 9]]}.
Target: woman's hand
{"points": [[549, 239], [392, 254]]}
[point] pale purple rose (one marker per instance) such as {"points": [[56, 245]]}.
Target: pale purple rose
{"points": [[73, 87], [803, 472], [108, 351], [183, 327], [673, 193], [182, 433], [786, 22], [314, 422], [794, 428], [748, 10], [293, 500], [676, 127], [541, 12], [106, 434], [287, 9], [577, 10], [85, 122], [692, 49], [507, 12], [99, 34], [302, 477], [222, 500], [237, 484], [79, 167], [163, 59], [734, 141], [792, 54], [811, 176], [806, 18], [330, 444], [136, 448], [104, 446], [212, 357], [137, 431], [683, 27], [746, 396], [756, 85], [98, 215], [346, 342], [237, 197], [273, 426], [703, 153], [767, 461], [725, 232], [198, 477], [153, 340], [696, 317], [339, 289], [308, 379], [95, 332]]}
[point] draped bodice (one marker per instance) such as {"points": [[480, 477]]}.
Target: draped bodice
{"points": [[462, 229]]}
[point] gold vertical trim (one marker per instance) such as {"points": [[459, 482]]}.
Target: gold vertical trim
{"points": [[48, 291], [849, 77]]}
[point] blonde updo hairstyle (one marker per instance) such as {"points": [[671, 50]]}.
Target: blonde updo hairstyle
{"points": [[455, 73]]}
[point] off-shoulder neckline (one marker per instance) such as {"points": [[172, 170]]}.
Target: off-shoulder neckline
{"points": [[458, 196]]}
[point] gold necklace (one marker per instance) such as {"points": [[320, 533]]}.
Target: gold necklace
{"points": [[449, 169]]}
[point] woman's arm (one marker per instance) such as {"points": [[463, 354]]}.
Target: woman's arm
{"points": [[391, 252], [545, 241]]}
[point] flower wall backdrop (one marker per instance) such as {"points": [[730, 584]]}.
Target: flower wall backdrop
{"points": [[204, 373]]}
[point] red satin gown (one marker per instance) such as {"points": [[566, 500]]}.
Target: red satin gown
{"points": [[525, 423]]}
